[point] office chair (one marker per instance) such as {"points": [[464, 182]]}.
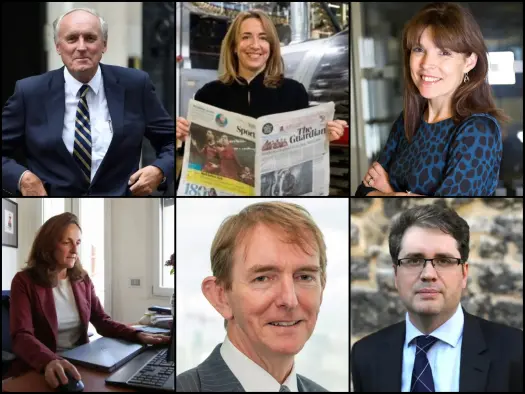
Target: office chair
{"points": [[7, 354]]}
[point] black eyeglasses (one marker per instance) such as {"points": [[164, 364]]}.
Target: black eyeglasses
{"points": [[418, 263]]}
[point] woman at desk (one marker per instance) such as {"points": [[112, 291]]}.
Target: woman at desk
{"points": [[52, 302]]}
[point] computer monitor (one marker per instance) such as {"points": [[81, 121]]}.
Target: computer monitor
{"points": [[171, 348]]}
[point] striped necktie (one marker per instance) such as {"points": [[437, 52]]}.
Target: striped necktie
{"points": [[284, 389], [82, 144], [422, 380]]}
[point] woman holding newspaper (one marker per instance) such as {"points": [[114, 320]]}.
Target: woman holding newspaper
{"points": [[252, 81]]}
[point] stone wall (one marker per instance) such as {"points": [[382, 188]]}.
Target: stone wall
{"points": [[495, 283]]}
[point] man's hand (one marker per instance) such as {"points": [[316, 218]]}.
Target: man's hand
{"points": [[31, 185], [377, 178], [153, 339], [145, 181]]}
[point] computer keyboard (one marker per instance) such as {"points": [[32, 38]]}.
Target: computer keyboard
{"points": [[156, 372]]}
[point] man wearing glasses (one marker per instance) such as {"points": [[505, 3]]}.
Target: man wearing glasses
{"points": [[439, 346]]}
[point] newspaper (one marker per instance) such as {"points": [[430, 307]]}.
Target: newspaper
{"points": [[228, 154]]}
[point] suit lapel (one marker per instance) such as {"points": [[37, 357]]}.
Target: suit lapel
{"points": [[475, 362], [389, 364], [47, 303], [300, 385], [115, 95], [214, 367]]}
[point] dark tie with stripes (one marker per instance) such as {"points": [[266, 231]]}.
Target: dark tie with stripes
{"points": [[422, 380], [284, 389], [82, 145]]}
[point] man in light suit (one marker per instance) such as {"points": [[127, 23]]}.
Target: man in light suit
{"points": [[81, 127], [269, 267], [439, 346]]}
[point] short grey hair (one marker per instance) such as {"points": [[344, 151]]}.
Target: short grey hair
{"points": [[103, 23]]}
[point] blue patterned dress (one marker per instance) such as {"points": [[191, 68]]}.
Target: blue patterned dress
{"points": [[444, 159]]}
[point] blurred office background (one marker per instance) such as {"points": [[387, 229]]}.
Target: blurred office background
{"points": [[377, 79], [140, 36], [314, 45], [324, 358]]}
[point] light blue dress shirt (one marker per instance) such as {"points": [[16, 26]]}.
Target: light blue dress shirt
{"points": [[444, 356]]}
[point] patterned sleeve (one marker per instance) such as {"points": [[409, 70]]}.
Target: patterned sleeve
{"points": [[385, 157], [387, 154], [473, 160]]}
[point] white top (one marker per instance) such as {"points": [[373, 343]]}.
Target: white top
{"points": [[251, 376], [101, 127], [69, 327], [444, 356]]}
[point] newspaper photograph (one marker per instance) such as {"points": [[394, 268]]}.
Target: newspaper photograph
{"points": [[228, 154]]}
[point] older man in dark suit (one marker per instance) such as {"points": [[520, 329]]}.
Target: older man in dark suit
{"points": [[81, 127]]}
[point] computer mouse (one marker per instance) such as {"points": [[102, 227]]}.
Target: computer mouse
{"points": [[73, 385]]}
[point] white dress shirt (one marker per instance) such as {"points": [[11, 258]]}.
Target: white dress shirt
{"points": [[251, 376], [101, 127], [444, 356]]}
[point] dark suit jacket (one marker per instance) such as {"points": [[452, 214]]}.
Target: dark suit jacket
{"points": [[33, 120], [491, 358], [214, 375], [34, 325]]}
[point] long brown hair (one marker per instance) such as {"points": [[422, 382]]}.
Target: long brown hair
{"points": [[229, 61], [41, 264], [453, 28]]}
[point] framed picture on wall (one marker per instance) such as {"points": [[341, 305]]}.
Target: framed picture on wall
{"points": [[9, 223]]}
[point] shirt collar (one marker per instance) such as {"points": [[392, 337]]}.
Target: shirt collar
{"points": [[251, 376], [73, 85], [449, 332]]}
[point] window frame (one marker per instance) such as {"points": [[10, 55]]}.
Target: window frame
{"points": [[157, 247]]}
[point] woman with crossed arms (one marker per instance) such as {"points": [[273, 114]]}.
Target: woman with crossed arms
{"points": [[447, 141]]}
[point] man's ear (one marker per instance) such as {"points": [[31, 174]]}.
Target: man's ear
{"points": [[216, 296]]}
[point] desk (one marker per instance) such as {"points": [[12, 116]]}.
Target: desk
{"points": [[32, 381]]}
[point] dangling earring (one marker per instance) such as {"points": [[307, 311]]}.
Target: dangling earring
{"points": [[466, 78]]}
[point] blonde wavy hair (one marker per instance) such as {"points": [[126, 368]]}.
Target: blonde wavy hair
{"points": [[229, 61]]}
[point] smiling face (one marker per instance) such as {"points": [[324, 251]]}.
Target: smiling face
{"points": [[437, 72], [427, 243], [66, 252], [80, 44], [277, 282], [252, 48]]}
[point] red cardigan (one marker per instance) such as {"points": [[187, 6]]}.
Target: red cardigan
{"points": [[34, 327]]}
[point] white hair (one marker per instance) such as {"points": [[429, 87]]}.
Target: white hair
{"points": [[103, 23]]}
